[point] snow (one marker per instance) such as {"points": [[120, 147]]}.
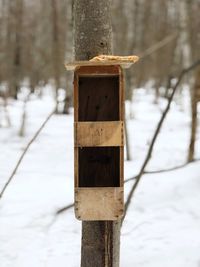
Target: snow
{"points": [[162, 228], [162, 224]]}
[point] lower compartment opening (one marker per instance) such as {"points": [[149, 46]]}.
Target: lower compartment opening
{"points": [[99, 167]]}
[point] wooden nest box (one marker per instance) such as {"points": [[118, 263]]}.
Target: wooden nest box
{"points": [[99, 141]]}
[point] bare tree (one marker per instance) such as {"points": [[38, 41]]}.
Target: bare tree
{"points": [[100, 239]]}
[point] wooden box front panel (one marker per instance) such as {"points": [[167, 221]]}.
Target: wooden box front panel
{"points": [[99, 115]]}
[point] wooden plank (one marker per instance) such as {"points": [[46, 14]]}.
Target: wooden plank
{"points": [[121, 117], [99, 204], [111, 86], [97, 71], [121, 96], [99, 161], [76, 167], [93, 134], [73, 65], [109, 95], [121, 162], [76, 97]]}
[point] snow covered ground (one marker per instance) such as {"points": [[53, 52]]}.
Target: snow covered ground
{"points": [[162, 227]]}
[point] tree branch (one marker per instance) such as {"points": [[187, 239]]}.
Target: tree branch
{"points": [[65, 208], [164, 170], [158, 45], [135, 177], [149, 153], [24, 152]]}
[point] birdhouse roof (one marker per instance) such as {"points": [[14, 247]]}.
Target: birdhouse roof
{"points": [[104, 60]]}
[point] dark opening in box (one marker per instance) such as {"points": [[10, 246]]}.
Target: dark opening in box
{"points": [[99, 167], [98, 98]]}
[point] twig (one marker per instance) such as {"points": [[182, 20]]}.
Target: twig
{"points": [[65, 208], [158, 45], [135, 177], [24, 152], [172, 168], [149, 153], [128, 155], [164, 170]]}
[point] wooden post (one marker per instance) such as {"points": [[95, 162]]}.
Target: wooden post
{"points": [[92, 36]]}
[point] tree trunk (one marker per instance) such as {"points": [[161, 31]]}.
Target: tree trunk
{"points": [[93, 36], [195, 98], [14, 45], [55, 48], [193, 131], [93, 30], [128, 155]]}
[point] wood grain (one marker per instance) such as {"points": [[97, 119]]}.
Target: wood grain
{"points": [[98, 134], [93, 204], [74, 65]]}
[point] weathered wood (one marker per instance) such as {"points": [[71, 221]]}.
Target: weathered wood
{"points": [[98, 204], [98, 70], [75, 64], [99, 133], [110, 89], [76, 167], [98, 98], [93, 177], [100, 246], [93, 134], [99, 166]]}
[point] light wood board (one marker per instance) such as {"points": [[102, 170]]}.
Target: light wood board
{"points": [[99, 204], [109, 133]]}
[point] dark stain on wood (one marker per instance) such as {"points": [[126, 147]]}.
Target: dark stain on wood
{"points": [[99, 167], [98, 98]]}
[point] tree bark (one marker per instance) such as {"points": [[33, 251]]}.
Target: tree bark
{"points": [[195, 98], [93, 36], [93, 30], [55, 48], [14, 45], [193, 130], [128, 155]]}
